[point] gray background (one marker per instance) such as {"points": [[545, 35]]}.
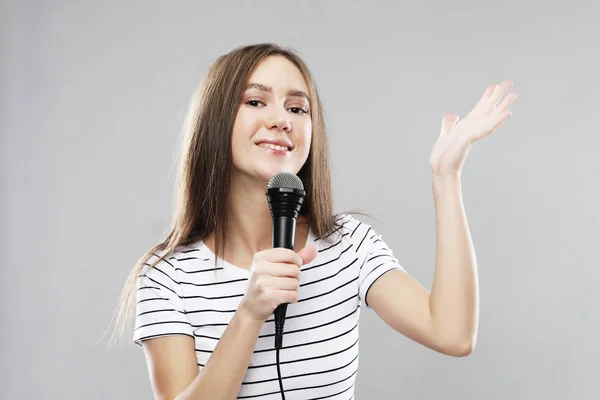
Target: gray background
{"points": [[92, 100]]}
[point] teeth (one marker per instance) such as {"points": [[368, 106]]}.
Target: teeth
{"points": [[273, 146]]}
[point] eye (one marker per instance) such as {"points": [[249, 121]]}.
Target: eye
{"points": [[254, 102], [298, 110]]}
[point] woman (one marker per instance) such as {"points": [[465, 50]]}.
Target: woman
{"points": [[206, 295]]}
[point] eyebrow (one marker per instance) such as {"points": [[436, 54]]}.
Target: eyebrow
{"points": [[264, 88]]}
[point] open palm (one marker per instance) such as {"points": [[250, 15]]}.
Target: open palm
{"points": [[457, 137]]}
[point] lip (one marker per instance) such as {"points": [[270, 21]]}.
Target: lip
{"points": [[277, 143]]}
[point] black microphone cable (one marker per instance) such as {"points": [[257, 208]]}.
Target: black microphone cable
{"points": [[279, 320]]}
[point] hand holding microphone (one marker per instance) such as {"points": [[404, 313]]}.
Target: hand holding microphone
{"points": [[275, 280]]}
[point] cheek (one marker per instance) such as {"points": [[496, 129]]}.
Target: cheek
{"points": [[243, 129], [306, 136]]}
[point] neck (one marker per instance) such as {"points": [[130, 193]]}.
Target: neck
{"points": [[249, 223], [249, 217]]}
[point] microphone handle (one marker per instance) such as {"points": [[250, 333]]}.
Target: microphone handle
{"points": [[284, 232]]}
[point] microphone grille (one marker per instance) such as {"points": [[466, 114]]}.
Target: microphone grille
{"points": [[285, 180]]}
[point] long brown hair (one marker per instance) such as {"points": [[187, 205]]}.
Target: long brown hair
{"points": [[206, 161]]}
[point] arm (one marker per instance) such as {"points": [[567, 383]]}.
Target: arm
{"points": [[447, 318], [171, 360], [173, 367]]}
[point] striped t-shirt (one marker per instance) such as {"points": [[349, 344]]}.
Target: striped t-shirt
{"points": [[319, 358]]}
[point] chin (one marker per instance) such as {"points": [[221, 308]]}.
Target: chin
{"points": [[268, 173], [263, 170]]}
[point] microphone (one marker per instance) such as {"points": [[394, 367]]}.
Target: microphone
{"points": [[285, 194]]}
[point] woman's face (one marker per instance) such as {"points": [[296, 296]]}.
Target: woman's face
{"points": [[272, 129]]}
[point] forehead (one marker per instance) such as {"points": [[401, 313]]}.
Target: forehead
{"points": [[279, 73]]}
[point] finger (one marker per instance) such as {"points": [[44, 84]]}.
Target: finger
{"points": [[488, 92], [484, 100], [283, 270], [286, 296], [285, 283], [499, 119], [497, 95], [281, 255], [448, 123], [506, 102], [308, 254]]}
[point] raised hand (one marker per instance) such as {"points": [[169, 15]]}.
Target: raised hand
{"points": [[456, 137]]}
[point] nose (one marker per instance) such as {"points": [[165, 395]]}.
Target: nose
{"points": [[280, 120]]}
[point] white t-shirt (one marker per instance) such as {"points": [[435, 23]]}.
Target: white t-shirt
{"points": [[319, 358]]}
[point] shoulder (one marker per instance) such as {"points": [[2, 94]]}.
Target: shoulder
{"points": [[364, 239], [353, 230], [349, 234], [165, 268]]}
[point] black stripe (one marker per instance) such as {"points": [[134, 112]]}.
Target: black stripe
{"points": [[331, 276], [310, 343], [370, 272], [152, 298], [215, 298], [369, 288], [322, 309], [302, 388], [287, 332], [328, 262], [363, 239], [296, 345], [310, 328], [189, 258], [206, 337], [195, 284], [210, 310], [164, 334], [326, 293], [164, 259], [359, 224], [190, 251], [158, 283], [302, 375], [199, 271], [335, 394], [379, 255], [157, 311], [161, 323], [148, 287], [164, 273], [204, 325], [213, 284], [333, 245], [306, 359], [334, 231], [202, 284]]}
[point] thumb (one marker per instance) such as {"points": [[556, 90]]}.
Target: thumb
{"points": [[448, 123], [308, 253]]}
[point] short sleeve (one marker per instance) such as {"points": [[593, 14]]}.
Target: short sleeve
{"points": [[376, 258], [159, 303]]}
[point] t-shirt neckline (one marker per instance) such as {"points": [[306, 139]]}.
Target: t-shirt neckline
{"points": [[239, 271]]}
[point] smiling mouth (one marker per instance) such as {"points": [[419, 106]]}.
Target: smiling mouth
{"points": [[274, 147]]}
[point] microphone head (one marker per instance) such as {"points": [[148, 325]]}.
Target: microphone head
{"points": [[285, 195], [285, 180]]}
